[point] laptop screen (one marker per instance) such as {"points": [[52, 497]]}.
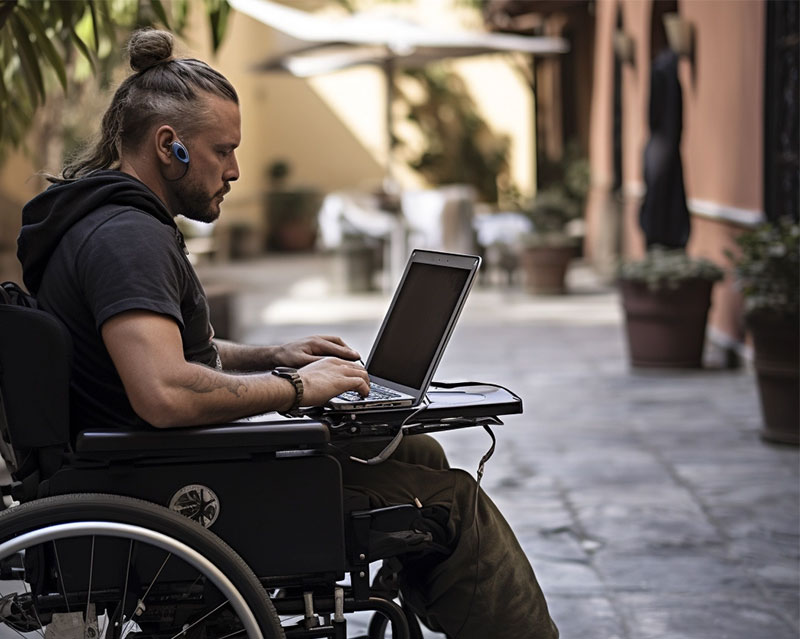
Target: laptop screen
{"points": [[422, 310]]}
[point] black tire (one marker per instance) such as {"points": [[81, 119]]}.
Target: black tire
{"points": [[379, 625], [126, 518]]}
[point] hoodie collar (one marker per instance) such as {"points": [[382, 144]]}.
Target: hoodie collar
{"points": [[48, 216]]}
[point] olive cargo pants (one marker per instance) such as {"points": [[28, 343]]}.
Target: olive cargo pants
{"points": [[486, 588]]}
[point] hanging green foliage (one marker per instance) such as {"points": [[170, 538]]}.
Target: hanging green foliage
{"points": [[44, 42], [460, 147]]}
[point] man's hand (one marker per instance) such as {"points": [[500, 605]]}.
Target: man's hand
{"points": [[311, 349], [328, 377]]}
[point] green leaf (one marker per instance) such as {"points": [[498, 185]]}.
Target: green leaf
{"points": [[218, 12], [161, 14], [45, 45], [8, 53], [81, 46], [3, 90], [93, 14], [31, 73], [107, 22]]}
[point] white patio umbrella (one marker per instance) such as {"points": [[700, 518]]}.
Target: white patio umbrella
{"points": [[313, 45]]}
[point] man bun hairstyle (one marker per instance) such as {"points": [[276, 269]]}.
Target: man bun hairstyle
{"points": [[149, 47], [161, 90]]}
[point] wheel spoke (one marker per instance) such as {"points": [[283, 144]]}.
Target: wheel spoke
{"points": [[175, 600], [89, 589], [33, 605], [205, 616], [10, 625], [61, 576], [158, 574], [121, 621], [193, 584]]}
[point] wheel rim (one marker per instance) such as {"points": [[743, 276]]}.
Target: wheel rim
{"points": [[143, 535]]}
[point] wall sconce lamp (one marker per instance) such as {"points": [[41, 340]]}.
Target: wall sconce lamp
{"points": [[680, 34], [624, 47]]}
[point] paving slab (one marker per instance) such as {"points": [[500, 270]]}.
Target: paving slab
{"points": [[648, 504]]}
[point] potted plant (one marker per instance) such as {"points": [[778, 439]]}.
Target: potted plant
{"points": [[548, 250], [291, 213], [767, 270], [557, 207], [666, 297]]}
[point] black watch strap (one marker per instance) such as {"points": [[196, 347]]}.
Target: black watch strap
{"points": [[291, 374]]}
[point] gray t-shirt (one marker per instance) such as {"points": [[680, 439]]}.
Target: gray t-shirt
{"points": [[118, 259]]}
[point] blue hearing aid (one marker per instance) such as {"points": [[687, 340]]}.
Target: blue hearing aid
{"points": [[180, 152]]}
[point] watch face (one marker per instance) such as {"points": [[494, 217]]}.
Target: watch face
{"points": [[293, 376]]}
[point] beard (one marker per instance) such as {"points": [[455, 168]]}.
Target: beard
{"points": [[194, 203]]}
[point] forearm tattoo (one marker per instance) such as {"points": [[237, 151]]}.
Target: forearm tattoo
{"points": [[203, 384]]}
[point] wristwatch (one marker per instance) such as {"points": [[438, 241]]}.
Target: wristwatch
{"points": [[291, 374]]}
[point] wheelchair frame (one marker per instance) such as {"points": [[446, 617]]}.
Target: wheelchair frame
{"points": [[278, 481]]}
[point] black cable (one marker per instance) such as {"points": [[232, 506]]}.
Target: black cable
{"points": [[181, 176], [392, 445], [481, 465]]}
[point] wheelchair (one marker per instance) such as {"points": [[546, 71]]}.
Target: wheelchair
{"points": [[234, 530]]}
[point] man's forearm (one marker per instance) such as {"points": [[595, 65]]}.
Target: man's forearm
{"points": [[166, 391], [202, 395], [245, 358]]}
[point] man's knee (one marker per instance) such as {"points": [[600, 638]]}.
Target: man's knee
{"points": [[423, 450]]}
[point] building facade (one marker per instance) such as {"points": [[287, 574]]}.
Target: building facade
{"points": [[738, 75]]}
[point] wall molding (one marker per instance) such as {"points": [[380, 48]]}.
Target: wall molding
{"points": [[717, 211], [635, 190]]}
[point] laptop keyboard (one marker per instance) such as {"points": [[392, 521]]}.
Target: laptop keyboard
{"points": [[376, 391]]}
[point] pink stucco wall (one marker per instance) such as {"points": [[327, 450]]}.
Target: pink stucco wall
{"points": [[722, 145], [723, 97]]}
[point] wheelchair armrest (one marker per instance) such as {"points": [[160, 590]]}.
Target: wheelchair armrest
{"points": [[282, 434]]}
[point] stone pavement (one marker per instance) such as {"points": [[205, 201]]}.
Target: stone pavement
{"points": [[646, 501]]}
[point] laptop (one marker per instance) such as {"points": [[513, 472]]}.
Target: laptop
{"points": [[415, 331]]}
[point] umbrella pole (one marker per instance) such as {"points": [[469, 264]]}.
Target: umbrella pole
{"points": [[388, 71], [397, 249]]}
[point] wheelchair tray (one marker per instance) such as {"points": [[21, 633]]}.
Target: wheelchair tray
{"points": [[450, 406]]}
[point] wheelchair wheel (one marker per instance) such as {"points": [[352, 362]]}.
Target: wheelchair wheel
{"points": [[94, 566], [379, 625]]}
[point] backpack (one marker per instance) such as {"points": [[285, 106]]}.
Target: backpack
{"points": [[13, 294]]}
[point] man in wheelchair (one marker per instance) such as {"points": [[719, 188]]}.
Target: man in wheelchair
{"points": [[101, 252]]}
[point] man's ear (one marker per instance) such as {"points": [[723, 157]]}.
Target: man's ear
{"points": [[164, 137]]}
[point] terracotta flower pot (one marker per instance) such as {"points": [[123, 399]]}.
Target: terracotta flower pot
{"points": [[545, 268], [291, 220], [667, 327], [777, 363]]}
